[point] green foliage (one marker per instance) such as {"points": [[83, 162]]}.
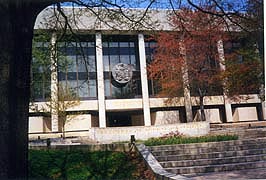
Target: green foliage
{"points": [[60, 164], [244, 72], [187, 140], [40, 69], [41, 65]]}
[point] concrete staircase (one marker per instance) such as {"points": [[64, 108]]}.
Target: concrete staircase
{"points": [[249, 152], [212, 157]]}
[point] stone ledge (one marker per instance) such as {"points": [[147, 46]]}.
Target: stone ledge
{"points": [[120, 134], [155, 166]]}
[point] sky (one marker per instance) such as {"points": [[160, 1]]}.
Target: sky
{"points": [[229, 5]]}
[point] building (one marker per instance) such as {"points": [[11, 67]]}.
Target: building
{"points": [[106, 68]]}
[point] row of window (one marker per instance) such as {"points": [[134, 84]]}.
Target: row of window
{"points": [[77, 68]]}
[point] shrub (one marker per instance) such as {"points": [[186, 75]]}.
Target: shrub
{"points": [[179, 139], [61, 164]]}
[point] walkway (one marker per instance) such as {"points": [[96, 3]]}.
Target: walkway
{"points": [[243, 174]]}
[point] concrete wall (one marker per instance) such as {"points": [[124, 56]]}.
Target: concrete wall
{"points": [[136, 104], [245, 114], [78, 122], [137, 120], [116, 134], [39, 124], [165, 117], [212, 115]]}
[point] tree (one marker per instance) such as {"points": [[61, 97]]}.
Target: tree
{"points": [[193, 47], [67, 98], [62, 97], [244, 70], [15, 55], [16, 33], [198, 31]]}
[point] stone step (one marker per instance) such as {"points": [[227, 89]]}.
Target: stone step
{"points": [[237, 129], [195, 151], [208, 145], [242, 133], [253, 124], [214, 161], [217, 168], [259, 132], [181, 157]]}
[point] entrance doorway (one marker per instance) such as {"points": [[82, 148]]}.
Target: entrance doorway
{"points": [[118, 119]]}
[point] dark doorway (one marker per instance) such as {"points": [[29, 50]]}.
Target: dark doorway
{"points": [[119, 119]]}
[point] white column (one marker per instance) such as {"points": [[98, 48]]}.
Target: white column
{"points": [[144, 81], [100, 81], [54, 84], [185, 78], [228, 108]]}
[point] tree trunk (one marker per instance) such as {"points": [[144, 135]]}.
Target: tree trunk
{"points": [[16, 30], [202, 112]]}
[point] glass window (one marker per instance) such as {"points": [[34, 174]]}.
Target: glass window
{"points": [[153, 86], [83, 44], [124, 51], [114, 59], [83, 89], [82, 64], [116, 92], [78, 68], [132, 44], [113, 44], [107, 87], [105, 44], [91, 44], [113, 50], [124, 44], [133, 61], [71, 62], [92, 88], [121, 49], [40, 72], [106, 64], [125, 59], [72, 84], [92, 63]]}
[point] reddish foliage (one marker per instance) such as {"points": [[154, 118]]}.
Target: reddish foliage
{"points": [[174, 134], [243, 76], [195, 42], [198, 33]]}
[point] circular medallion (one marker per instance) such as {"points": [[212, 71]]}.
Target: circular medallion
{"points": [[122, 73]]}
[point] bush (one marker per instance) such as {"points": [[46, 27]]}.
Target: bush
{"points": [[60, 164], [179, 139]]}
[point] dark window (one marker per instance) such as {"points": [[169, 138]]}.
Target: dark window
{"points": [[153, 85], [121, 49], [77, 68], [40, 72]]}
